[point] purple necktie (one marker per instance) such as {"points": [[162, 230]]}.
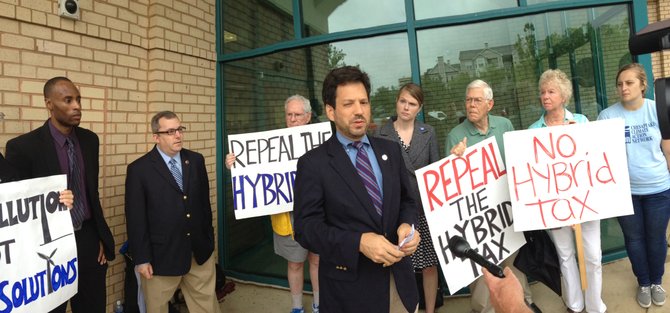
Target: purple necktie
{"points": [[77, 211], [368, 176]]}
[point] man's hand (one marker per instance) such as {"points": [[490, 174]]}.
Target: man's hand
{"points": [[379, 250], [459, 148], [101, 255], [410, 246], [230, 160], [506, 293], [145, 270], [66, 197]]}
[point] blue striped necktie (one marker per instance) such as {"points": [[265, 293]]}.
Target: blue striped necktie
{"points": [[176, 173], [367, 175], [77, 211]]}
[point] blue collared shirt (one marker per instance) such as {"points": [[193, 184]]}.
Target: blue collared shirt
{"points": [[167, 159], [347, 144], [567, 117]]}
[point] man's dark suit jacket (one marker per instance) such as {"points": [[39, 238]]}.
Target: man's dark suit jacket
{"points": [[34, 155], [333, 209], [423, 151], [165, 225], [7, 172]]}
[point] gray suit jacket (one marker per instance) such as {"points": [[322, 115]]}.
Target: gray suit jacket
{"points": [[423, 151]]}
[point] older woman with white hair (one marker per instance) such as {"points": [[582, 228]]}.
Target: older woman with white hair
{"points": [[555, 92]]}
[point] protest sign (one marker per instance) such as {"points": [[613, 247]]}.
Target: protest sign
{"points": [[566, 175], [468, 196], [38, 253], [265, 167]]}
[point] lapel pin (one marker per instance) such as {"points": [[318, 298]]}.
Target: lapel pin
{"points": [[384, 157], [186, 162], [422, 129]]}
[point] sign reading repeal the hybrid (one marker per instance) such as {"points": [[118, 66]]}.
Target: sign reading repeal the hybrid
{"points": [[566, 175], [265, 167], [468, 196], [38, 253]]}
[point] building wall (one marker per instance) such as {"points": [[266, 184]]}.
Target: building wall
{"points": [[130, 59], [659, 10]]}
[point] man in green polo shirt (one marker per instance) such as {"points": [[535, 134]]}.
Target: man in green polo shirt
{"points": [[478, 126]]}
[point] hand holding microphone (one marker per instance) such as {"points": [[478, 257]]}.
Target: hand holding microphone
{"points": [[461, 248]]}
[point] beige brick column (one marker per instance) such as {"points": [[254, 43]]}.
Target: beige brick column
{"points": [[130, 58]]}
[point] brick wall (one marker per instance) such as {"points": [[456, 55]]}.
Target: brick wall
{"points": [[659, 10], [130, 59]]}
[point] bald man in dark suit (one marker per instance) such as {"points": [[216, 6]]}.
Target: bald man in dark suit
{"points": [[7, 173], [43, 152]]}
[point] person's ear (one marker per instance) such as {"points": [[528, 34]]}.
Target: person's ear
{"points": [[49, 104], [330, 112]]}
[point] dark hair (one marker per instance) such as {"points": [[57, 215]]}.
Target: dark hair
{"points": [[163, 114], [413, 90], [342, 76], [49, 85], [639, 73]]}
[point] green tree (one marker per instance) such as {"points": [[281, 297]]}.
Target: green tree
{"points": [[383, 101], [335, 57]]}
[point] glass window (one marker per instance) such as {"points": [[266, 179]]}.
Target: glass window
{"points": [[511, 54], [438, 8], [256, 23], [386, 60], [255, 90], [531, 2], [330, 16]]}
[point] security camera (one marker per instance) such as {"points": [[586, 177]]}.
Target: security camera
{"points": [[69, 9]]}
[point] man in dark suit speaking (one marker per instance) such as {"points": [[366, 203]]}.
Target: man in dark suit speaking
{"points": [[60, 146], [169, 221], [353, 208]]}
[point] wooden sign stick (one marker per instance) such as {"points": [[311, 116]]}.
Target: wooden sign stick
{"points": [[579, 243]]}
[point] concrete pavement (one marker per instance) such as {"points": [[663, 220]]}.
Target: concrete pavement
{"points": [[619, 288]]}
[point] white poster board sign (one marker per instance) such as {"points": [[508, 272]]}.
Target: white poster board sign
{"points": [[468, 196], [565, 175], [265, 167], [38, 253]]}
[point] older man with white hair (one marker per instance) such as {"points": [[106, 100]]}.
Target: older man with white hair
{"points": [[298, 112], [480, 125]]}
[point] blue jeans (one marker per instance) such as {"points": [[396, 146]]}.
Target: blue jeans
{"points": [[644, 235]]}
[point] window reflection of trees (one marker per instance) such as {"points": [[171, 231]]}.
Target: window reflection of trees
{"points": [[585, 49]]}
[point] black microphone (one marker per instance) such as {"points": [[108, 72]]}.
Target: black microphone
{"points": [[461, 248]]}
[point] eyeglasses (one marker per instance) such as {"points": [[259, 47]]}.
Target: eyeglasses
{"points": [[477, 101], [295, 115], [172, 131]]}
